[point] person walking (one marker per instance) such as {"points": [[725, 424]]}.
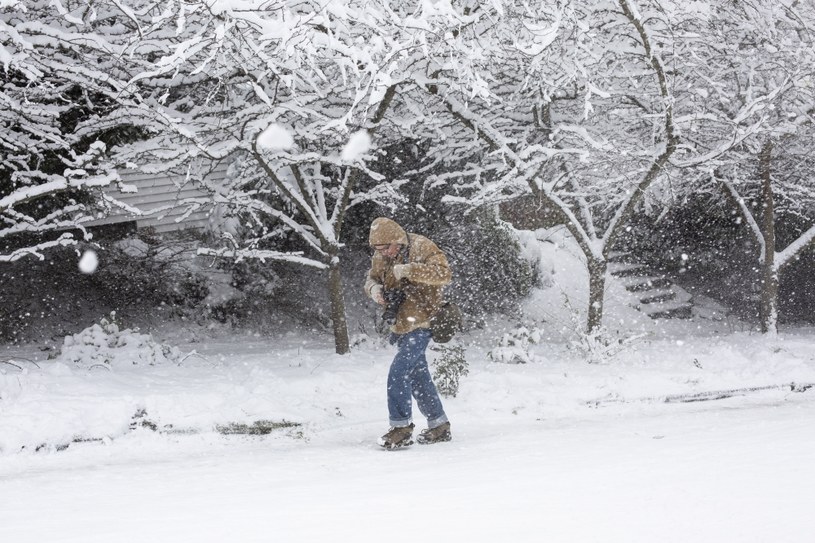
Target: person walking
{"points": [[407, 275]]}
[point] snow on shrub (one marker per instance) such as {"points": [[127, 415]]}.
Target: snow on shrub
{"points": [[105, 344], [513, 347]]}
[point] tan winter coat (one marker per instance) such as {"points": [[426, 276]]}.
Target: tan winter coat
{"points": [[428, 272]]}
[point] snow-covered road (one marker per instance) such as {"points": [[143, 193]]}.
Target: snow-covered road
{"points": [[737, 470]]}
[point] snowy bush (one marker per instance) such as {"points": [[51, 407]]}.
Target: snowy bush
{"points": [[150, 270], [598, 346], [491, 272], [448, 368], [106, 345], [513, 347]]}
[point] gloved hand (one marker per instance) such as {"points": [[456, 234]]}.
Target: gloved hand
{"points": [[401, 271], [377, 294]]}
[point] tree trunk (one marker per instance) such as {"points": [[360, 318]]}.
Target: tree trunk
{"points": [[337, 298], [769, 275], [597, 288]]}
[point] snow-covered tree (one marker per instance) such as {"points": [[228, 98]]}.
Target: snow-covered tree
{"points": [[289, 93], [584, 105], [52, 76], [571, 102], [759, 57]]}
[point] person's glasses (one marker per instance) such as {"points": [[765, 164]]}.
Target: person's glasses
{"points": [[382, 247]]}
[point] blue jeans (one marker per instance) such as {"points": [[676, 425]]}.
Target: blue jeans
{"points": [[409, 377]]}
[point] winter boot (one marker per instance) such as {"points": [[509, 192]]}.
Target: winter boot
{"points": [[435, 435], [397, 437]]}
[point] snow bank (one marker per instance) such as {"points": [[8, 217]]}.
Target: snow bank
{"points": [[235, 380]]}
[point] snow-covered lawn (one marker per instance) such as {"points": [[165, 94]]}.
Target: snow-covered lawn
{"points": [[553, 450]]}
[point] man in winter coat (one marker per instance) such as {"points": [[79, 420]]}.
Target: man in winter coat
{"points": [[414, 265]]}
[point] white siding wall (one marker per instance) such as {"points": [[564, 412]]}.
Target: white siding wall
{"points": [[155, 191]]}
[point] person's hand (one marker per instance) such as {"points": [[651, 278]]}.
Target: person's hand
{"points": [[377, 295], [401, 271]]}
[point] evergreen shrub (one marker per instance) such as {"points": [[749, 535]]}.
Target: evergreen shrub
{"points": [[448, 368]]}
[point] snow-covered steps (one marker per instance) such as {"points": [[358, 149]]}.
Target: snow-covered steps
{"points": [[651, 292], [628, 269], [646, 283], [669, 310], [659, 295]]}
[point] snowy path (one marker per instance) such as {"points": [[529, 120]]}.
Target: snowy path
{"points": [[730, 471]]}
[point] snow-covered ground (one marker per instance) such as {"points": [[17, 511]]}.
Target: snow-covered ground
{"points": [[96, 448], [553, 450]]}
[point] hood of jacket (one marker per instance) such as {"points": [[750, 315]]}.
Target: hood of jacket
{"points": [[385, 231]]}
